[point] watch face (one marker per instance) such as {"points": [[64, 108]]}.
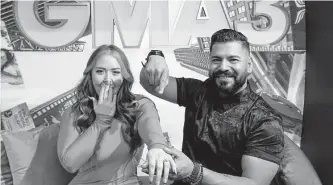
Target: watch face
{"points": [[155, 52]]}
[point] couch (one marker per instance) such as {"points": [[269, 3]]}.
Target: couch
{"points": [[30, 158]]}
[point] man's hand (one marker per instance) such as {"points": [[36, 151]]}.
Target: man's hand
{"points": [[160, 162], [157, 72], [183, 163]]}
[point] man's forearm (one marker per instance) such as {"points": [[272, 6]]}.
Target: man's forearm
{"points": [[213, 178]]}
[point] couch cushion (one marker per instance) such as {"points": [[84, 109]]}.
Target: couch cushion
{"points": [[33, 157], [20, 148]]}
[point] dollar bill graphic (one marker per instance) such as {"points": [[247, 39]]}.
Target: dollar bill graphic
{"points": [[10, 71]]}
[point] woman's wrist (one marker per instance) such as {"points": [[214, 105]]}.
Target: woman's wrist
{"points": [[103, 121], [104, 118], [157, 145]]}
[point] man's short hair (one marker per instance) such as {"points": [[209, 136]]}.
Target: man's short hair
{"points": [[229, 35]]}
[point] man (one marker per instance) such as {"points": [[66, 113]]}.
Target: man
{"points": [[231, 135]]}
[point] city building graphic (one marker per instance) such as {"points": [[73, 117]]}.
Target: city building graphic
{"points": [[196, 57]]}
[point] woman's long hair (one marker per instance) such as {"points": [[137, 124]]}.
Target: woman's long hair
{"points": [[125, 105]]}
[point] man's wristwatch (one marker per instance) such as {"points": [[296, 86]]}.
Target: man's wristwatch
{"points": [[153, 52]]}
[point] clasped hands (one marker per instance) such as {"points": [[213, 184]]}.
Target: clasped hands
{"points": [[159, 161]]}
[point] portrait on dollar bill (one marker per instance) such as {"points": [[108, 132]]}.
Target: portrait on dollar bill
{"points": [[10, 71]]}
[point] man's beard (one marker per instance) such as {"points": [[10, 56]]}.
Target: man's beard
{"points": [[227, 82]]}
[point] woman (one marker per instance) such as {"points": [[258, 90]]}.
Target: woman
{"points": [[101, 137]]}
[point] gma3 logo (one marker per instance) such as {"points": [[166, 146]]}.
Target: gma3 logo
{"points": [[170, 23]]}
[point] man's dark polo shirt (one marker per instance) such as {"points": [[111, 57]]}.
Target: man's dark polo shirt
{"points": [[218, 132]]}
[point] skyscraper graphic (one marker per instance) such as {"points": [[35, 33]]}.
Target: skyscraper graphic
{"points": [[196, 57]]}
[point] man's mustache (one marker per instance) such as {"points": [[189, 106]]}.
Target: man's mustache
{"points": [[219, 73]]}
